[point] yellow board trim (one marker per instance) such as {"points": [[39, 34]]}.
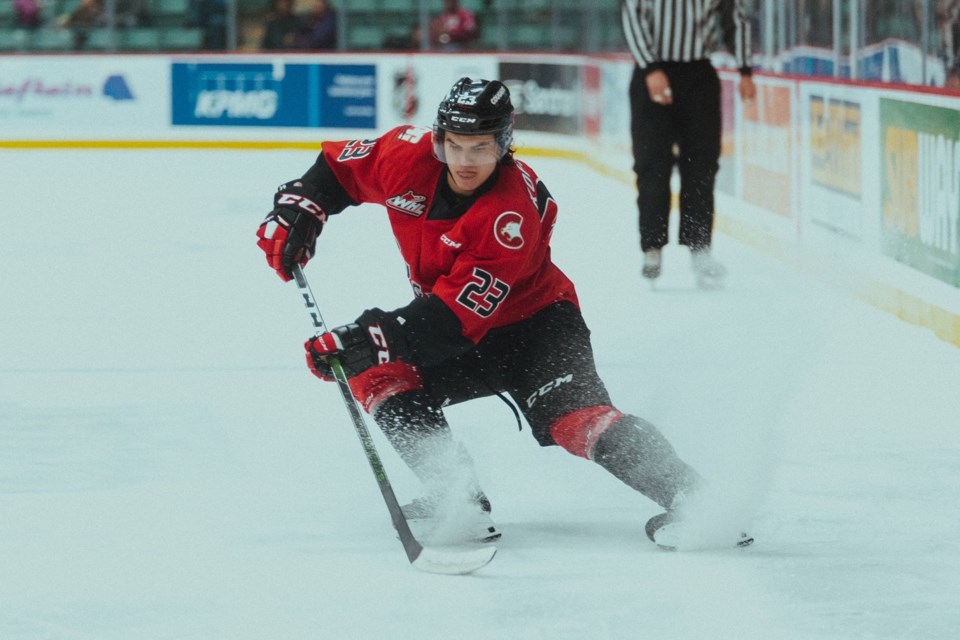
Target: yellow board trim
{"points": [[246, 145]]}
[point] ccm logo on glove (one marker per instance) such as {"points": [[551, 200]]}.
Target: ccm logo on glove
{"points": [[303, 203], [289, 233], [375, 338], [356, 347], [380, 341]]}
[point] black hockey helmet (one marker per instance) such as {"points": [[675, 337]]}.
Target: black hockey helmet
{"points": [[473, 108]]}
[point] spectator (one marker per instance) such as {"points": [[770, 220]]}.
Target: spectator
{"points": [[211, 17], [29, 13], [131, 14], [455, 29], [319, 30], [87, 15], [282, 27]]}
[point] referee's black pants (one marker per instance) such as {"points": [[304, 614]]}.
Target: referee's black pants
{"points": [[692, 123]]}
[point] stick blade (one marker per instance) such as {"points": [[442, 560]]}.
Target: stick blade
{"points": [[454, 561]]}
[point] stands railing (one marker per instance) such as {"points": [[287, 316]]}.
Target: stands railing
{"points": [[910, 41]]}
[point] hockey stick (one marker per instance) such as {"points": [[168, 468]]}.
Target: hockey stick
{"points": [[447, 560]]}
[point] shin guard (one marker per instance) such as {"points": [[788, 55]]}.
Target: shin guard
{"points": [[409, 421], [636, 452], [415, 426]]}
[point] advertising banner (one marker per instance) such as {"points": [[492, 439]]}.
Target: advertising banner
{"points": [[833, 196], [547, 97], [67, 97], [412, 86], [768, 149], [920, 147], [274, 94]]}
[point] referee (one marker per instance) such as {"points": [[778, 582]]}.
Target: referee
{"points": [[675, 117]]}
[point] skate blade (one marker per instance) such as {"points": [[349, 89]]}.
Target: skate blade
{"points": [[454, 561], [669, 538], [429, 534]]}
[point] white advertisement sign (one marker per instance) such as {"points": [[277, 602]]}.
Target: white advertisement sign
{"points": [[412, 86], [57, 96]]}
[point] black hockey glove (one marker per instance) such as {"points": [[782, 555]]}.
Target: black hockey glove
{"points": [[289, 233], [375, 338]]}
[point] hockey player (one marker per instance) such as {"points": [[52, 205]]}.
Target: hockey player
{"points": [[491, 313]]}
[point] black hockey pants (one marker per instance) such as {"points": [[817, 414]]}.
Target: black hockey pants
{"points": [[545, 364], [692, 123]]}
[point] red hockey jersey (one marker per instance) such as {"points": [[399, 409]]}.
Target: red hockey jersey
{"points": [[491, 265]]}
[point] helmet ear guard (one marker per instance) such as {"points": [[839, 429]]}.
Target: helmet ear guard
{"points": [[475, 107]]}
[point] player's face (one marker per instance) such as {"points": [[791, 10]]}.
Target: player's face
{"points": [[470, 160]]}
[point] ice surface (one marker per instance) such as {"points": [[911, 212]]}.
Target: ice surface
{"points": [[169, 469]]}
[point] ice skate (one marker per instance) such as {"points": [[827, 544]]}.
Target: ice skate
{"points": [[707, 270], [667, 531], [652, 262], [450, 520], [677, 529]]}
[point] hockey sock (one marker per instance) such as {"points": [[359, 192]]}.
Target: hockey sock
{"points": [[410, 419], [636, 452], [415, 426]]}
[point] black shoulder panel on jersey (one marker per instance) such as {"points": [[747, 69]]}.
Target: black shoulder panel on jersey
{"points": [[330, 193], [434, 332], [543, 197]]}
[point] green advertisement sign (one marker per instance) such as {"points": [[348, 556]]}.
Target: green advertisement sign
{"points": [[920, 181]]}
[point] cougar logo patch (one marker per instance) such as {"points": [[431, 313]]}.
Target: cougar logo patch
{"points": [[507, 230], [410, 203]]}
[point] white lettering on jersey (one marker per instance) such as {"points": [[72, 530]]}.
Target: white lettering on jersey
{"points": [[450, 243], [413, 135], [528, 180], [356, 149]]}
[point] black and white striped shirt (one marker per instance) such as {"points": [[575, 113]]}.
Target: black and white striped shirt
{"points": [[684, 30]]}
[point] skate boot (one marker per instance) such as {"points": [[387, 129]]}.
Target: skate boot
{"points": [[443, 519], [707, 270], [652, 261]]}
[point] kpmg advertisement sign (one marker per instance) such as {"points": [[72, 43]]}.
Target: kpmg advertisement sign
{"points": [[274, 95], [546, 96]]}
